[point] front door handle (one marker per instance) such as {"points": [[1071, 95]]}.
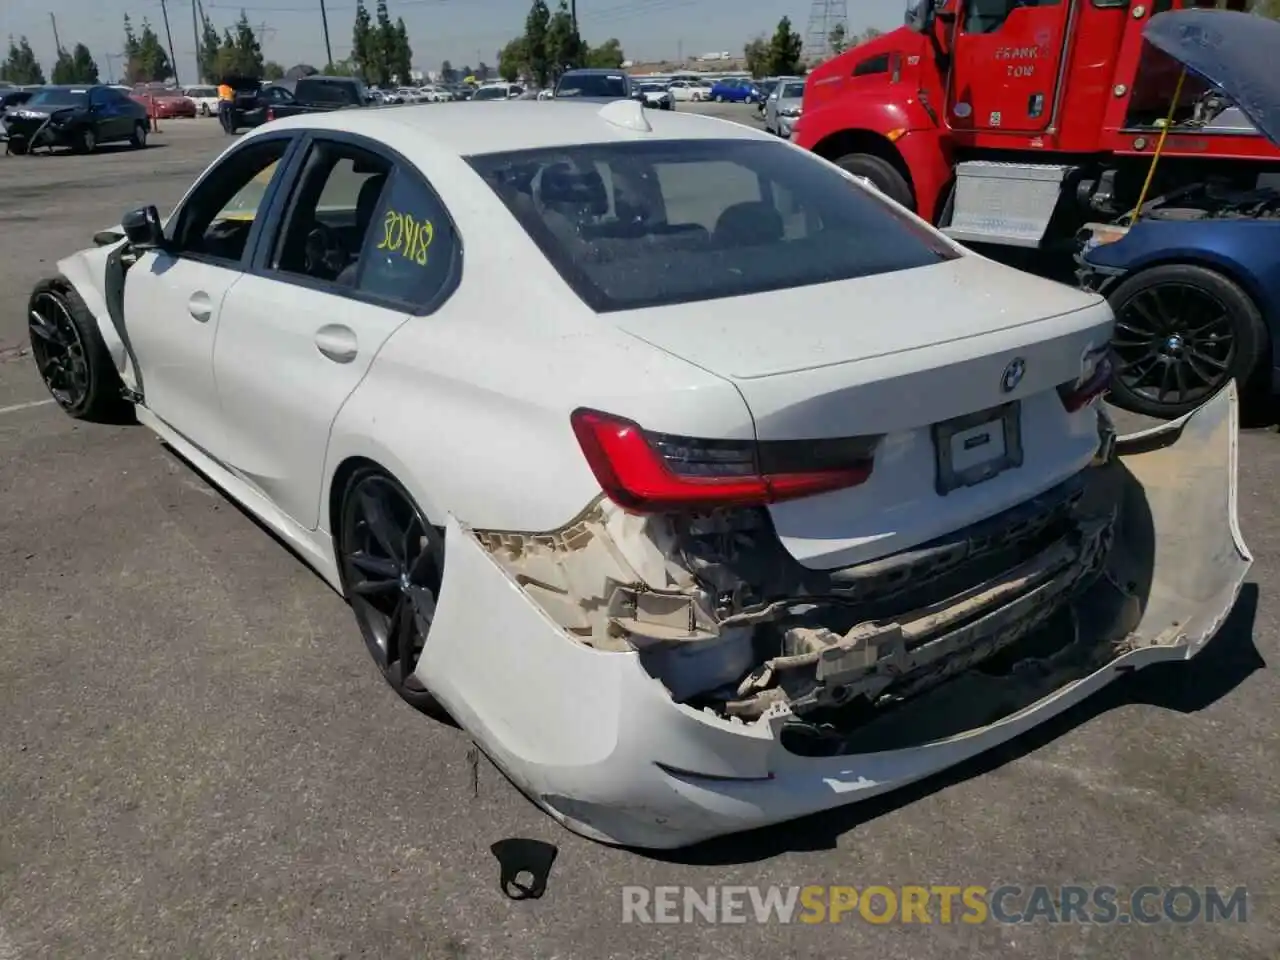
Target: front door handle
{"points": [[337, 342], [200, 306]]}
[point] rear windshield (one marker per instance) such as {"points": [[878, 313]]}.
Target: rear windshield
{"points": [[592, 85], [793, 91], [53, 97], [323, 91], [631, 225]]}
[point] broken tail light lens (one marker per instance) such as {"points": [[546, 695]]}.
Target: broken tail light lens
{"points": [[1094, 379], [648, 472]]}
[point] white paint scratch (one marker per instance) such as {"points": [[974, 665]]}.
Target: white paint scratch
{"points": [[24, 406]]}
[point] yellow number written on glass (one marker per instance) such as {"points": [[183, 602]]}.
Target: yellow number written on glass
{"points": [[406, 236]]}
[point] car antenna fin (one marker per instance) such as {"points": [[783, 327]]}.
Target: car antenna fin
{"points": [[628, 114]]}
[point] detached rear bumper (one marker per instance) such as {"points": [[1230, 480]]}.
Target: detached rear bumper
{"points": [[596, 741]]}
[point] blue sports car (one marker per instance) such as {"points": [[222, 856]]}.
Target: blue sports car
{"points": [[1195, 280]]}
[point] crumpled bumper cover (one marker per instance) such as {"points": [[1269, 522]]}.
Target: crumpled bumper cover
{"points": [[599, 744]]}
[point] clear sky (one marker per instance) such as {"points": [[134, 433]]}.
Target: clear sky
{"points": [[462, 31]]}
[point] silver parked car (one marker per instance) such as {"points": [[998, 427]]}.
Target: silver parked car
{"points": [[783, 107]]}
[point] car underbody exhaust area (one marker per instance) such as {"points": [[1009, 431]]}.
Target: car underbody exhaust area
{"points": [[1138, 550]]}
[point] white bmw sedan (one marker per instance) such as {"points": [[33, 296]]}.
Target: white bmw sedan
{"points": [[702, 485]]}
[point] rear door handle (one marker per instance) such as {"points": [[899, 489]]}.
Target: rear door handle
{"points": [[200, 306], [337, 342]]}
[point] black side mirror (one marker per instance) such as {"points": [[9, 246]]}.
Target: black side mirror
{"points": [[142, 227]]}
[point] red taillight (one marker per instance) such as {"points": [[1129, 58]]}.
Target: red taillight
{"points": [[650, 472], [1093, 385]]}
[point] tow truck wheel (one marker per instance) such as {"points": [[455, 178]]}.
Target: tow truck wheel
{"points": [[880, 172], [1182, 332]]}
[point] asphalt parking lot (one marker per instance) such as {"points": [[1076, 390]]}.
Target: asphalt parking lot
{"points": [[198, 758]]}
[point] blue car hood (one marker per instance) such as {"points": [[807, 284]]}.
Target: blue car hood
{"points": [[1234, 51]]}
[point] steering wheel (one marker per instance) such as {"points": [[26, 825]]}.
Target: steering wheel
{"points": [[323, 256]]}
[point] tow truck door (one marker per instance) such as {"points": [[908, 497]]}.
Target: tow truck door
{"points": [[1005, 59]]}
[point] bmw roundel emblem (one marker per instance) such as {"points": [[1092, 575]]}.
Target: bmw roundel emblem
{"points": [[1013, 374]]}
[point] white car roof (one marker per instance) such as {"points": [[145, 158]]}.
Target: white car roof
{"points": [[464, 130]]}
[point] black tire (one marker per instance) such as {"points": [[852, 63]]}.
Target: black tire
{"points": [[71, 357], [139, 137], [86, 141], [880, 172], [719, 99], [18, 147], [1182, 332], [387, 583]]}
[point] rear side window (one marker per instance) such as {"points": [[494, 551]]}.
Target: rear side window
{"points": [[632, 225], [412, 251]]}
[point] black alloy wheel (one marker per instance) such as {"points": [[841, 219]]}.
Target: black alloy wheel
{"points": [[392, 564], [58, 350], [1182, 333]]}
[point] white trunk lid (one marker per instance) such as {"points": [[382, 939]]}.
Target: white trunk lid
{"points": [[896, 354]]}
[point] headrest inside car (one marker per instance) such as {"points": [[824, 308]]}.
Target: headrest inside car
{"points": [[560, 184]]}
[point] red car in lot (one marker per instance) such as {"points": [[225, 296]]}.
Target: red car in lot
{"points": [[164, 104]]}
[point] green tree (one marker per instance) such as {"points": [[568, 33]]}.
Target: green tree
{"points": [[447, 73], [130, 43], [1266, 8], [85, 68], [272, 70], [400, 56], [343, 68], [21, 66], [563, 45], [210, 44], [364, 43], [784, 50], [384, 43], [608, 55], [513, 59], [149, 62], [482, 71], [248, 48], [868, 34], [838, 39], [535, 41], [756, 55], [63, 68]]}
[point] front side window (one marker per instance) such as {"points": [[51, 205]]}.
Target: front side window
{"points": [[216, 219], [331, 213], [631, 225]]}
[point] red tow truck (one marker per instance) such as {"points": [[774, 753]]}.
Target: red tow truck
{"points": [[1015, 122]]}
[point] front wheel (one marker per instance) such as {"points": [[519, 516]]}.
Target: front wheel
{"points": [[87, 141], [719, 99], [1182, 333], [70, 355], [139, 137], [391, 561], [881, 173]]}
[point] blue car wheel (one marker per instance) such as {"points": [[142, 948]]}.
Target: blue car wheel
{"points": [[1182, 333]]}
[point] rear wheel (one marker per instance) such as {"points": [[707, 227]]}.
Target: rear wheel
{"points": [[1182, 332], [69, 353], [880, 172], [391, 562]]}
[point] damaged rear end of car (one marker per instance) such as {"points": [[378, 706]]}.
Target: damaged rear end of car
{"points": [[656, 676]]}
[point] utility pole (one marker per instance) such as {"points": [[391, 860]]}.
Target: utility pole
{"points": [[324, 18], [57, 44], [173, 61], [573, 15], [195, 32]]}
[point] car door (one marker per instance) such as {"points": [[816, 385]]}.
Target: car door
{"points": [[173, 297], [105, 119], [301, 329]]}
